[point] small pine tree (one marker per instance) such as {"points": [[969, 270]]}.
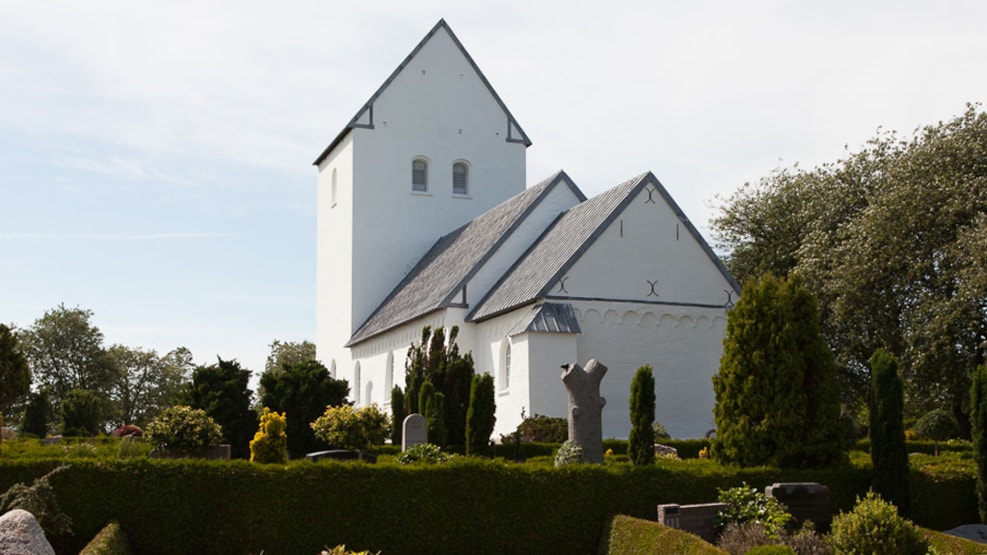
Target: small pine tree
{"points": [[978, 420], [887, 431], [397, 415], [481, 416], [436, 360], [776, 391], [36, 415], [641, 442], [270, 443]]}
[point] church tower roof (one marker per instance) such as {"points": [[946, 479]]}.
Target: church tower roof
{"points": [[364, 117]]}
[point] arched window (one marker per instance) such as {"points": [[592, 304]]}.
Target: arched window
{"points": [[419, 175], [389, 376], [356, 384], [332, 189], [332, 368], [369, 397], [460, 178], [505, 364]]}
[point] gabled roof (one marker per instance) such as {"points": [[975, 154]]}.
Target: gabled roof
{"points": [[551, 257], [548, 318], [439, 278], [514, 132]]}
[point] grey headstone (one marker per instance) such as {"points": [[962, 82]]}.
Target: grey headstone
{"points": [[20, 534], [415, 431], [586, 407], [805, 501]]}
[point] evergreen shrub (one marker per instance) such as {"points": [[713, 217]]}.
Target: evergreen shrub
{"points": [[887, 431], [641, 441], [745, 504], [874, 526], [270, 443], [427, 453], [569, 453], [345, 427], [182, 430], [978, 421]]}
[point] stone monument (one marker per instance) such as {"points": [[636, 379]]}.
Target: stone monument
{"points": [[415, 429], [586, 407]]}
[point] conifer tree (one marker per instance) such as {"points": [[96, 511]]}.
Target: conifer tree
{"points": [[887, 431], [438, 361], [978, 419], [776, 390], [641, 442], [481, 416], [397, 415]]}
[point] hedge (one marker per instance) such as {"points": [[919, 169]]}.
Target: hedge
{"points": [[466, 506]]}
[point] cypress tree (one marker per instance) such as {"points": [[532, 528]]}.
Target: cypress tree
{"points": [[978, 420], [397, 415], [449, 372], [887, 431], [641, 442], [776, 391], [481, 415]]}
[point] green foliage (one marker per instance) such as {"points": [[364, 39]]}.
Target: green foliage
{"points": [[900, 262], [221, 390], [15, 376], [182, 430], [288, 353], [39, 500], [144, 383], [978, 418], [776, 390], [874, 526], [771, 550], [427, 453], [270, 443], [937, 425], [109, 541], [569, 453], [641, 442], [397, 415], [661, 432], [84, 413], [36, 414], [65, 351], [887, 431], [436, 361], [746, 504], [543, 429], [341, 550], [345, 427], [625, 535], [302, 390], [481, 416]]}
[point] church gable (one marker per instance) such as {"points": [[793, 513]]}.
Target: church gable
{"points": [[437, 79], [587, 243], [649, 252]]}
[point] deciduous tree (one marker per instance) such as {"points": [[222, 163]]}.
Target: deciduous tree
{"points": [[145, 383]]}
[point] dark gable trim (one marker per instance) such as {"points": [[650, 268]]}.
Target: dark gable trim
{"points": [[369, 105]]}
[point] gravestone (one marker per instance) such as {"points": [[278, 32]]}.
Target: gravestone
{"points": [[805, 501], [415, 431], [586, 407]]}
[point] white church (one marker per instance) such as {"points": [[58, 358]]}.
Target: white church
{"points": [[424, 220]]}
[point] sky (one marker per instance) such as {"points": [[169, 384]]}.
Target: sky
{"points": [[156, 158]]}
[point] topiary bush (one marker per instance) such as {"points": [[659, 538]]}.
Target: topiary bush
{"points": [[874, 526], [937, 425], [746, 504], [569, 453], [427, 453], [641, 441], [182, 430], [345, 427], [270, 443]]}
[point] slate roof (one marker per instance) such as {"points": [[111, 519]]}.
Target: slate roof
{"points": [[566, 240], [548, 318], [369, 105], [439, 277]]}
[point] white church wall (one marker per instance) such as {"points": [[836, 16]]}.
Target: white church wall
{"points": [[683, 345], [559, 199], [548, 352], [647, 254], [334, 269], [436, 108]]}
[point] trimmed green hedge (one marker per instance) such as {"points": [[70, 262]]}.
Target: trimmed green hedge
{"points": [[465, 506]]}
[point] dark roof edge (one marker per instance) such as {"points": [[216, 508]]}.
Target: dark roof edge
{"points": [[356, 341], [368, 105], [559, 177], [695, 233]]}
